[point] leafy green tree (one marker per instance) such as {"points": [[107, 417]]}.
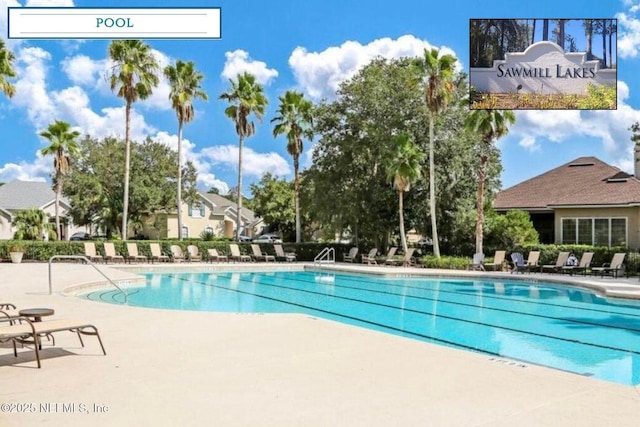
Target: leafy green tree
{"points": [[31, 224], [95, 185], [512, 230], [64, 145], [439, 70], [246, 97], [134, 75], [489, 125], [6, 70], [403, 167], [294, 119], [272, 202], [186, 86]]}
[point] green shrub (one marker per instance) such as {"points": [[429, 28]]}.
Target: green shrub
{"points": [[601, 97], [446, 262]]}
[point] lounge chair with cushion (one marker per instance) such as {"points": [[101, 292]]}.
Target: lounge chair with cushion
{"points": [[532, 261], [91, 253], [281, 255], [585, 264], [194, 253], [560, 262], [215, 256], [258, 255], [110, 253], [176, 254], [236, 255], [406, 260], [498, 259], [390, 256], [133, 255], [519, 265], [21, 330], [613, 268], [351, 257], [370, 258], [156, 253], [477, 263]]}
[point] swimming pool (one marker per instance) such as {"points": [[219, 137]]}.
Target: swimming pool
{"points": [[557, 326]]}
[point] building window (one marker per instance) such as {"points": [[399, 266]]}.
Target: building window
{"points": [[196, 210], [185, 232], [594, 231]]}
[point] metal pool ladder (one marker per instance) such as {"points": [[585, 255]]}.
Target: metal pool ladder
{"points": [[326, 256], [88, 261]]}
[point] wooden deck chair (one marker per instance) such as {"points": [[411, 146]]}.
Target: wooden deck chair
{"points": [[477, 262], [258, 255], [560, 262], [351, 257], [215, 256], [281, 255], [390, 256], [133, 255], [156, 253], [613, 268], [585, 264], [110, 253], [176, 253], [194, 253], [406, 260], [370, 258], [91, 253], [498, 259], [236, 255]]}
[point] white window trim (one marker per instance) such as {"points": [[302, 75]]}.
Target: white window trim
{"points": [[593, 228]]}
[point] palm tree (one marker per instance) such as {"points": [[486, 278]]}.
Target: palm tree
{"points": [[31, 224], [246, 97], [545, 30], [294, 119], [6, 70], [63, 146], [185, 83], [490, 125], [134, 75], [403, 167], [439, 71], [588, 31]]}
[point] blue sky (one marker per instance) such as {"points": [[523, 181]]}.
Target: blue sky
{"points": [[311, 46]]}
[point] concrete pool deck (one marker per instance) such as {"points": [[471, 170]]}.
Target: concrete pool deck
{"points": [[169, 368]]}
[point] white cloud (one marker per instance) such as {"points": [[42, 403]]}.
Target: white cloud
{"points": [[529, 143], [50, 3], [31, 87], [24, 171], [82, 70], [239, 61], [253, 163], [159, 98], [628, 34], [319, 74]]}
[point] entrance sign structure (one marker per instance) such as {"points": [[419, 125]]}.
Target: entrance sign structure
{"points": [[543, 68]]}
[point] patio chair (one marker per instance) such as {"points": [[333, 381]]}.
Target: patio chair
{"points": [[176, 254], [7, 306], [91, 253], [194, 253], [390, 256], [370, 258], [498, 259], [281, 255], [215, 256], [585, 264], [406, 260], [616, 265], [351, 257], [477, 263], [236, 255], [156, 253], [519, 265], [110, 253], [560, 262], [21, 330], [258, 255], [133, 255], [532, 261]]}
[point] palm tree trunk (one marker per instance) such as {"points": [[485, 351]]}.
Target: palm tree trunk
{"points": [[561, 33], [545, 30], [604, 43], [239, 195], [480, 204], [403, 239], [179, 200], [58, 191], [589, 35], [432, 191], [127, 161], [533, 32], [296, 190], [610, 40]]}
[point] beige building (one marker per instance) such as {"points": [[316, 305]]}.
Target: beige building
{"points": [[212, 213], [585, 201]]}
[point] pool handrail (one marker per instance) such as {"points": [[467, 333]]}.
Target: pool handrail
{"points": [[326, 255]]}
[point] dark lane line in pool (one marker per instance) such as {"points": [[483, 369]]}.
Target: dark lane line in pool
{"points": [[503, 310], [575, 341]]}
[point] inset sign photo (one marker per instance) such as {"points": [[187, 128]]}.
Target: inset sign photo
{"points": [[543, 64]]}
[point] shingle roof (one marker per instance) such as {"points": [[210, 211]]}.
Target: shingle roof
{"points": [[581, 182], [17, 195], [226, 206]]}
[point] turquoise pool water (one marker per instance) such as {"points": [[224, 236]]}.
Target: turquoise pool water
{"points": [[551, 325]]}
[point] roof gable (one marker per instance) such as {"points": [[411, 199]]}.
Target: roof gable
{"points": [[225, 206], [18, 195]]}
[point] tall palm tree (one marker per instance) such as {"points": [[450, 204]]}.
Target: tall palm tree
{"points": [[246, 97], [403, 168], [588, 32], [6, 70], [185, 83], [63, 146], [134, 75], [439, 71], [294, 119], [545, 30], [490, 125]]}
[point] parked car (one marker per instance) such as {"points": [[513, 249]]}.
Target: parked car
{"points": [[267, 238], [244, 239], [81, 236]]}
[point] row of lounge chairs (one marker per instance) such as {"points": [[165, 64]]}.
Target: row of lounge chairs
{"points": [[177, 254], [390, 259]]}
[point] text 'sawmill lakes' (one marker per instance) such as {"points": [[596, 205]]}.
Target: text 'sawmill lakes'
{"points": [[559, 72]]}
